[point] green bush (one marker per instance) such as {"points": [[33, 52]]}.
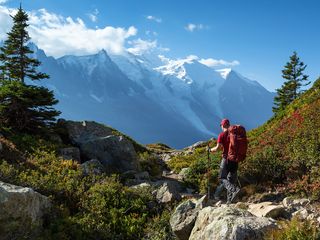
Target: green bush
{"points": [[295, 230], [149, 162], [111, 211], [197, 175]]}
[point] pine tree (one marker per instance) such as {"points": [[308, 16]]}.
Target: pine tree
{"points": [[15, 54], [294, 80], [23, 108]]}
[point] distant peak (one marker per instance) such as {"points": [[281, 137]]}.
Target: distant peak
{"points": [[102, 52], [224, 72], [103, 55]]}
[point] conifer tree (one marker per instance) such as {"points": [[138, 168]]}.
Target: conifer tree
{"points": [[294, 80], [23, 107]]}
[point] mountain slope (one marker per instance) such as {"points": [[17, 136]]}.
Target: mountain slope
{"points": [[287, 148]]}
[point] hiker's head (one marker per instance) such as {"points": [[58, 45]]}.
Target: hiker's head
{"points": [[225, 123]]}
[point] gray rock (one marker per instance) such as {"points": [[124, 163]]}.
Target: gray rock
{"points": [[92, 167], [183, 219], [80, 132], [116, 153], [21, 211], [70, 153], [185, 215], [296, 204], [267, 209], [97, 141], [224, 223], [168, 193]]}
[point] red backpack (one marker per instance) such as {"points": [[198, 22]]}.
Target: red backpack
{"points": [[238, 143]]}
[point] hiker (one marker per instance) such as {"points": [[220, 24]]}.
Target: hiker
{"points": [[228, 169]]}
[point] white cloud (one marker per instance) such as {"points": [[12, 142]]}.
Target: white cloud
{"points": [[153, 18], [59, 36], [94, 15], [210, 62], [3, 1], [192, 27], [140, 46]]}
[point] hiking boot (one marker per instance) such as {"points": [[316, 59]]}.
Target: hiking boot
{"points": [[234, 194]]}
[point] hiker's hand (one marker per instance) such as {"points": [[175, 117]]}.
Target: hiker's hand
{"points": [[213, 149]]}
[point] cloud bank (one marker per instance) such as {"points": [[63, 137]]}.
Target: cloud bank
{"points": [[59, 36]]}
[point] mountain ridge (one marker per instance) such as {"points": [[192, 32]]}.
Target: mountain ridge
{"points": [[131, 94]]}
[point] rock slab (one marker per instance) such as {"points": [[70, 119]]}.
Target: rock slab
{"points": [[224, 223]]}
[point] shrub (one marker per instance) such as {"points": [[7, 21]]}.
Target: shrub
{"points": [[111, 211], [149, 162], [295, 230]]}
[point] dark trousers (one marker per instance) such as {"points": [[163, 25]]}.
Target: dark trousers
{"points": [[228, 179]]}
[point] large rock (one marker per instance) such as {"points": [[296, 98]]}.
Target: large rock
{"points": [[168, 193], [267, 209], [224, 223], [96, 141], [21, 211], [295, 204], [184, 217]]}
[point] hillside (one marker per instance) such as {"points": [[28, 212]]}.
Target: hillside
{"points": [[286, 149]]}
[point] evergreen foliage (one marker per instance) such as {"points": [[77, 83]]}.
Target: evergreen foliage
{"points": [[23, 107], [294, 80]]}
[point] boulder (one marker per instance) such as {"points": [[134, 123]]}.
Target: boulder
{"points": [[96, 141], [167, 193], [183, 219], [267, 209], [296, 204], [21, 211], [70, 153], [92, 167], [224, 223], [185, 215], [84, 131]]}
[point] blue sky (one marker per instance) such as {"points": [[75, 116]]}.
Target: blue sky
{"points": [[254, 37]]}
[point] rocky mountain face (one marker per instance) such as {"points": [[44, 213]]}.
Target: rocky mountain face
{"points": [[153, 99]]}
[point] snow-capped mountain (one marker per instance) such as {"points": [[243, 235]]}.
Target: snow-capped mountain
{"points": [[152, 98]]}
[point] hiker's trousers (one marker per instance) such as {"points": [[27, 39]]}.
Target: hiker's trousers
{"points": [[228, 178]]}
